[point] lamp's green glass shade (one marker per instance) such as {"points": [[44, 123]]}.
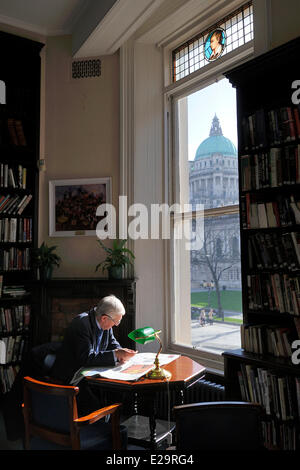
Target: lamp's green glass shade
{"points": [[146, 335], [143, 335]]}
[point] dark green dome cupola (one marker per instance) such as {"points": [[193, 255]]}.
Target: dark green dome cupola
{"points": [[216, 143]]}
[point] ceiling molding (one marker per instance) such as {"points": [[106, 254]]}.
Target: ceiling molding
{"points": [[7, 20], [156, 31], [118, 25], [184, 21]]}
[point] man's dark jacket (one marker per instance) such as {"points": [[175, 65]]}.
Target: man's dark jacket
{"points": [[84, 345]]}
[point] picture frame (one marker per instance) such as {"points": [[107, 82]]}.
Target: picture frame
{"points": [[73, 204]]}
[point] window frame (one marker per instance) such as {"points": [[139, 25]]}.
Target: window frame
{"points": [[172, 93], [154, 45]]}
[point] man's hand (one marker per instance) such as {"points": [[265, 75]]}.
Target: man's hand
{"points": [[124, 354]]}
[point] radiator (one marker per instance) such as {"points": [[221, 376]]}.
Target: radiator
{"points": [[203, 390]]}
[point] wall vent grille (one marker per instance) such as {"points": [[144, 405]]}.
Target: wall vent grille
{"points": [[86, 68]]}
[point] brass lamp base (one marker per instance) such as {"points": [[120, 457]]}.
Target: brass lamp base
{"points": [[158, 374]]}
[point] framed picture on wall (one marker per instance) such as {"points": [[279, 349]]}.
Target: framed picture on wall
{"points": [[73, 204]]}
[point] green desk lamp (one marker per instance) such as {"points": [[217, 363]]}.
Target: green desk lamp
{"points": [[146, 335]]}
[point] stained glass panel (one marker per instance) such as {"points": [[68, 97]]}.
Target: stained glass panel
{"points": [[234, 31]]}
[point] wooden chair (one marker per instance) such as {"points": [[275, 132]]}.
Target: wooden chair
{"points": [[51, 420], [222, 425]]}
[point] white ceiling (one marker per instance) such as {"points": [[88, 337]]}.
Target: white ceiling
{"points": [[97, 26], [47, 17]]}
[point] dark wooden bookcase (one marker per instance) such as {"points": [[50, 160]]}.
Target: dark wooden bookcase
{"points": [[268, 141], [19, 154]]}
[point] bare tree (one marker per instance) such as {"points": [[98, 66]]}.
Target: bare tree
{"points": [[218, 253]]}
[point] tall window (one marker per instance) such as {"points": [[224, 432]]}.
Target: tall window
{"points": [[208, 300]]}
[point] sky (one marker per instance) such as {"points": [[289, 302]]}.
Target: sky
{"points": [[218, 98]]}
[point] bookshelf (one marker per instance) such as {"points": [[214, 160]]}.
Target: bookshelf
{"points": [[269, 177], [19, 154]]}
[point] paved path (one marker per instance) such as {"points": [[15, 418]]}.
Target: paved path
{"points": [[216, 338]]}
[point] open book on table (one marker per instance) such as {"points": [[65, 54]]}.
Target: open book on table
{"points": [[133, 369]]}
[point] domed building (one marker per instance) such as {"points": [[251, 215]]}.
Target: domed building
{"points": [[214, 171], [213, 182]]}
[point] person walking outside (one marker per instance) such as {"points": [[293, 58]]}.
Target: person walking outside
{"points": [[202, 317], [210, 316]]}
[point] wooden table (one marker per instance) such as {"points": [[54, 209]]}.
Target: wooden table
{"points": [[185, 373]]}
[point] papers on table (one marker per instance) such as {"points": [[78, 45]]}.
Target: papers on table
{"points": [[131, 370]]}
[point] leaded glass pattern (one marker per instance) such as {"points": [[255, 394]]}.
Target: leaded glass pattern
{"points": [[190, 57]]}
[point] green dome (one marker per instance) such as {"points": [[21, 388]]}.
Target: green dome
{"points": [[215, 144]]}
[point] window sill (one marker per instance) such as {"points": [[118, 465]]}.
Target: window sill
{"points": [[214, 363]]}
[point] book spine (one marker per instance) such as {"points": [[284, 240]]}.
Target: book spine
{"points": [[24, 204], [291, 121], [297, 156], [297, 122], [20, 132], [12, 131]]}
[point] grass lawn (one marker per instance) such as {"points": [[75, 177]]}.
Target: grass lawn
{"points": [[230, 300], [236, 321]]}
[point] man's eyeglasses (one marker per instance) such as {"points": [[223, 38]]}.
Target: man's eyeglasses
{"points": [[114, 322]]}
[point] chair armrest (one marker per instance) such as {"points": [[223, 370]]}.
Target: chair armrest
{"points": [[98, 414]]}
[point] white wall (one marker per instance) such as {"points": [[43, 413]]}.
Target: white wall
{"points": [[276, 22], [79, 139], [148, 181], [284, 21]]}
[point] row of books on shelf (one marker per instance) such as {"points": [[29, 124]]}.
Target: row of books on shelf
{"points": [[278, 394], [15, 318], [14, 204], [270, 127], [15, 177], [274, 292], [15, 259], [7, 377], [273, 250], [268, 339], [12, 291], [12, 131], [12, 348], [280, 435], [282, 211], [14, 230], [271, 169]]}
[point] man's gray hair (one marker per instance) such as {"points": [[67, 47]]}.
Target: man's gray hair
{"points": [[110, 305]]}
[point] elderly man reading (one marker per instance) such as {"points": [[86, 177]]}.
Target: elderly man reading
{"points": [[89, 341]]}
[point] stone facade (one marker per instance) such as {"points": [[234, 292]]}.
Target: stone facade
{"points": [[213, 182]]}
